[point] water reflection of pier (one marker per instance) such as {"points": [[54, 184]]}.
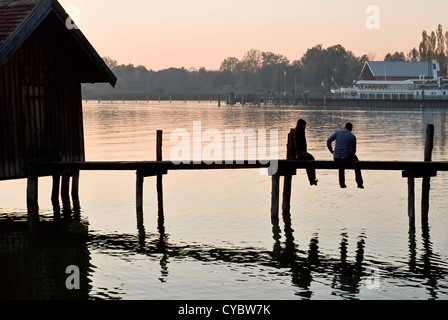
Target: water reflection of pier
{"points": [[34, 262], [346, 277]]}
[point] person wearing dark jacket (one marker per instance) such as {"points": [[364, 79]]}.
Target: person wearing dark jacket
{"points": [[302, 149], [345, 150]]}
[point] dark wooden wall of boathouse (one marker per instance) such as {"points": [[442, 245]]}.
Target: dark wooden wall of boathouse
{"points": [[40, 103]]}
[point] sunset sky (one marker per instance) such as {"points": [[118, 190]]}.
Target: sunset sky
{"points": [[159, 34]]}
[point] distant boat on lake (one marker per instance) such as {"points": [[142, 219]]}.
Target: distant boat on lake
{"points": [[396, 80]]}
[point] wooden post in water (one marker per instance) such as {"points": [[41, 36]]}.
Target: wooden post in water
{"points": [[55, 190], [411, 201], [159, 145], [141, 177], [32, 199], [160, 177], [75, 190], [65, 190], [55, 195], [287, 182], [275, 196], [426, 184], [139, 194], [286, 206], [160, 199]]}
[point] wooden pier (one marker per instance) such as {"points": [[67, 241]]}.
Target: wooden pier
{"points": [[276, 169]]}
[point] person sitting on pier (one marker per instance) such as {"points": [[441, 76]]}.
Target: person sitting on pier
{"points": [[345, 150], [302, 149]]}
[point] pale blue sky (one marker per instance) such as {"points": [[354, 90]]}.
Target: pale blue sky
{"points": [[202, 33]]}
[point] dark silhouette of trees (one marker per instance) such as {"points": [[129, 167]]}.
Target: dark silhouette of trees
{"points": [[397, 56], [259, 71], [434, 45]]}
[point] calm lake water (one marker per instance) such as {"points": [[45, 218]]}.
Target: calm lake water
{"points": [[215, 238]]}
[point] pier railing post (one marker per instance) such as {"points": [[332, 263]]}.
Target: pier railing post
{"points": [[426, 184], [159, 145]]}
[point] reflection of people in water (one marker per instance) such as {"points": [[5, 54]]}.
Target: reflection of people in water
{"points": [[302, 149]]}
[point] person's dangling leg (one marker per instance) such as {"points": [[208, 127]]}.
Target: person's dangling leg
{"points": [[358, 175], [311, 172], [341, 175], [342, 178]]}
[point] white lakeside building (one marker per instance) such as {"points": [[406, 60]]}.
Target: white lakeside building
{"points": [[397, 80]]}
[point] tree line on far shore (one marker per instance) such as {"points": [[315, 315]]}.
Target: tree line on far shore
{"points": [[260, 71]]}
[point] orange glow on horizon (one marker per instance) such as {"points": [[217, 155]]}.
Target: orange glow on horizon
{"points": [[202, 33]]}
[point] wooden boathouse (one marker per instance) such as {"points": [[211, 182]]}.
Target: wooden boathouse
{"points": [[43, 62]]}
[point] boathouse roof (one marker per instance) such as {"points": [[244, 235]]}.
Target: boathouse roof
{"points": [[20, 18], [396, 69]]}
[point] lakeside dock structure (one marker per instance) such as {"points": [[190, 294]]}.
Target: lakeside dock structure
{"points": [[42, 66], [286, 168]]}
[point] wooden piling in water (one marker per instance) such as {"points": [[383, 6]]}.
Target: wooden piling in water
{"points": [[287, 180], [287, 183], [32, 199], [55, 190], [65, 191], [160, 177], [141, 174], [426, 183], [160, 199], [139, 192], [275, 196], [55, 195], [159, 145], [411, 201], [75, 191]]}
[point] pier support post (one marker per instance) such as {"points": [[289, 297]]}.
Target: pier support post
{"points": [[142, 174], [75, 191], [65, 191], [159, 180], [55, 195], [275, 196], [139, 192], [160, 215], [411, 201], [426, 184], [286, 205], [32, 199], [55, 190]]}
